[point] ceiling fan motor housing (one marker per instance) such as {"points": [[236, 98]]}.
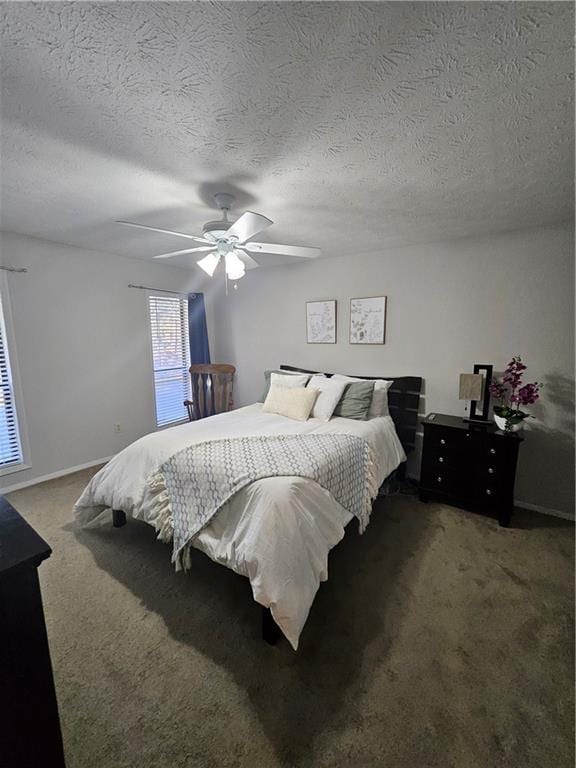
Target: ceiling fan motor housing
{"points": [[216, 230]]}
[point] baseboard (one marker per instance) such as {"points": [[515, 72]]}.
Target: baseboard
{"points": [[52, 476], [526, 505], [543, 510], [63, 472]]}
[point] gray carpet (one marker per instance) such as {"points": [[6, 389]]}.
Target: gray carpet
{"points": [[439, 640]]}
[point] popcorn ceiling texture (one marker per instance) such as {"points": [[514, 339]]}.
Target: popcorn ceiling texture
{"points": [[353, 125]]}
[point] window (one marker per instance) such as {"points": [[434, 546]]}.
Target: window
{"points": [[171, 357], [10, 443]]}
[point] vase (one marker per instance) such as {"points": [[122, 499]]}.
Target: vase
{"points": [[501, 422]]}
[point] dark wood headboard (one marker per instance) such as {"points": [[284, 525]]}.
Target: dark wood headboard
{"points": [[403, 401]]}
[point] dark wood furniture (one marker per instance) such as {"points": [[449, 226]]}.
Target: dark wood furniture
{"points": [[469, 465], [29, 719], [212, 385]]}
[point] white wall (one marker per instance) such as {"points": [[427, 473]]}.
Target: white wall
{"points": [[450, 305], [83, 349]]}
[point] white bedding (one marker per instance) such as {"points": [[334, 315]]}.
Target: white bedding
{"points": [[277, 531]]}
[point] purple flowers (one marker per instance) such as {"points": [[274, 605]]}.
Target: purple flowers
{"points": [[513, 374], [497, 390], [512, 393], [528, 394]]}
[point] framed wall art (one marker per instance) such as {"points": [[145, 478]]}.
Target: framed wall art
{"points": [[321, 322], [368, 320]]}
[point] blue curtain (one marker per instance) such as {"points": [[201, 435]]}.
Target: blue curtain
{"points": [[197, 329]]}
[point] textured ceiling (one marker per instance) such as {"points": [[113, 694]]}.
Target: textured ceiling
{"points": [[353, 126]]}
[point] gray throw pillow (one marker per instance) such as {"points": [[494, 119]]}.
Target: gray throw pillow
{"points": [[268, 374], [355, 401]]}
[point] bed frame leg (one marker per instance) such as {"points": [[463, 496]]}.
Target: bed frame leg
{"points": [[270, 630], [118, 518]]}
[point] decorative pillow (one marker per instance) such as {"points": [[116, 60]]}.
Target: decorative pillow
{"points": [[355, 401], [329, 397], [302, 378], [293, 402], [379, 405]]}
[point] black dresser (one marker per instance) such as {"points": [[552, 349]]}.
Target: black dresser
{"points": [[29, 721], [469, 465]]}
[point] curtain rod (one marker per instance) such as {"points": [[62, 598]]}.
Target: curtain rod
{"points": [[14, 269], [160, 290]]}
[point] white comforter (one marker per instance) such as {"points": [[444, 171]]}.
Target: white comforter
{"points": [[277, 532]]}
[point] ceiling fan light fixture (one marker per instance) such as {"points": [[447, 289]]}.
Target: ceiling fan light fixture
{"points": [[209, 263], [235, 268]]}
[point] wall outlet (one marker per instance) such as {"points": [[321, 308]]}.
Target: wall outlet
{"points": [[117, 428]]}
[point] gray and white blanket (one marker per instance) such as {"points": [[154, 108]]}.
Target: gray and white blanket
{"points": [[201, 478]]}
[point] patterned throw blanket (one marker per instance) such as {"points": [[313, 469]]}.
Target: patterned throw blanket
{"points": [[201, 478]]}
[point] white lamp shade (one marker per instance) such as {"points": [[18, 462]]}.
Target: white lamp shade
{"points": [[471, 386], [209, 263], [235, 268]]}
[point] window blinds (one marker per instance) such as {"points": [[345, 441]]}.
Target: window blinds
{"points": [[171, 357], [10, 446]]}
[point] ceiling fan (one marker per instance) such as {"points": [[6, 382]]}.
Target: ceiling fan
{"points": [[230, 241]]}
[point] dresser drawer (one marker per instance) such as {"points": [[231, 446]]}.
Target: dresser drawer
{"points": [[494, 455], [444, 440], [441, 460], [486, 491], [444, 479], [486, 469]]}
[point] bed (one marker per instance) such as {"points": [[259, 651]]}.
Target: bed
{"points": [[276, 531]]}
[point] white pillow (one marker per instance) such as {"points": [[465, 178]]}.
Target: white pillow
{"points": [[289, 380], [379, 404], [329, 397], [293, 402]]}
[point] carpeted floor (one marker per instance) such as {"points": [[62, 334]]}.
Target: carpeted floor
{"points": [[439, 640]]}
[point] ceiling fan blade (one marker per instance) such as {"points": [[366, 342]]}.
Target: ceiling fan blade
{"points": [[248, 225], [164, 231], [301, 251], [246, 258], [186, 250]]}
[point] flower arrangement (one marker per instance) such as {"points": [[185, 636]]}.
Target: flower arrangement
{"points": [[513, 393]]}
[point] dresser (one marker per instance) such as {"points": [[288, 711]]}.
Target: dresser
{"points": [[469, 465], [29, 719]]}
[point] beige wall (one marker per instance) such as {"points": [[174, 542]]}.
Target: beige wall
{"points": [[82, 343], [450, 305]]}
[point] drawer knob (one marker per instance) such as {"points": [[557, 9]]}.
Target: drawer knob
{"points": [[438, 479], [467, 434], [488, 492], [490, 471], [492, 451], [441, 459], [442, 442]]}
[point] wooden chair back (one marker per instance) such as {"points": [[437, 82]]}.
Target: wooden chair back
{"points": [[212, 386]]}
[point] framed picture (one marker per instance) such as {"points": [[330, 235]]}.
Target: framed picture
{"points": [[368, 320], [321, 322]]}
